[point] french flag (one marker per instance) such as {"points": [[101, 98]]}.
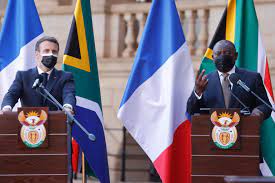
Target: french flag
{"points": [[153, 108], [20, 32]]}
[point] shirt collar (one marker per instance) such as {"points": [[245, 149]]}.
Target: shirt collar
{"points": [[40, 71], [233, 70]]}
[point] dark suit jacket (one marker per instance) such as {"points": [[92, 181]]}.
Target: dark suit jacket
{"points": [[213, 96], [60, 84]]}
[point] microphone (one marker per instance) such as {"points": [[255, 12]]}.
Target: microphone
{"points": [[235, 79], [37, 81]]}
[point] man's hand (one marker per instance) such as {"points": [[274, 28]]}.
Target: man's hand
{"points": [[201, 83], [68, 108], [6, 108], [257, 112]]}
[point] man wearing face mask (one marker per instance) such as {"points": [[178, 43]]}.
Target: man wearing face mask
{"points": [[212, 90], [59, 83]]}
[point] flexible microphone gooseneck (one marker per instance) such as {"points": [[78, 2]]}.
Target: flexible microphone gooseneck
{"points": [[235, 79], [51, 98], [47, 98], [245, 109]]}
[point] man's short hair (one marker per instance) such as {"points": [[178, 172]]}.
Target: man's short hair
{"points": [[46, 38], [226, 42]]}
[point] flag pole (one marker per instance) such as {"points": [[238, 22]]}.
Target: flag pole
{"points": [[123, 154], [84, 180]]}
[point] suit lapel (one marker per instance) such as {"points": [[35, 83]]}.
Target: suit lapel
{"points": [[51, 82], [34, 75], [34, 72], [233, 102]]}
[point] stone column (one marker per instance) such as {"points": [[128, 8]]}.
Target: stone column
{"points": [[3, 4], [130, 36], [191, 34], [101, 18], [1, 22], [141, 17], [203, 34]]}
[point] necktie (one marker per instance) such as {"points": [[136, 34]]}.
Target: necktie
{"points": [[45, 79], [225, 88]]}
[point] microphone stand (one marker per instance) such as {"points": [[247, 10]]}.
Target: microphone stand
{"points": [[243, 86], [258, 97], [245, 110], [46, 97], [70, 120]]}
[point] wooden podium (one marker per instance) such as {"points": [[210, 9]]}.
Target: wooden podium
{"points": [[212, 164], [43, 164]]}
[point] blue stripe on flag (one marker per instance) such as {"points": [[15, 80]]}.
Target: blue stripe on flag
{"points": [[95, 152], [162, 22], [21, 25]]}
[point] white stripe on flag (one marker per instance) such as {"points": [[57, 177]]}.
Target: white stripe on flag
{"points": [[25, 60], [158, 106], [261, 68], [265, 169], [261, 56], [91, 105]]}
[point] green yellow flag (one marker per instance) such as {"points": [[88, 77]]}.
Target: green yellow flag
{"points": [[239, 24], [80, 59]]}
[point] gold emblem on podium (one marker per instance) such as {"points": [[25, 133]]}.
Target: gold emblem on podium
{"points": [[224, 133], [33, 132]]}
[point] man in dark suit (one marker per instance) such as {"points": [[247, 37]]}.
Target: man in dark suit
{"points": [[212, 90], [59, 83]]}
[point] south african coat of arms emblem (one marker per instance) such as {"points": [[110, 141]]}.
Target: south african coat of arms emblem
{"points": [[33, 131], [224, 133]]}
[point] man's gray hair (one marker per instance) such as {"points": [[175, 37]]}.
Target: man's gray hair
{"points": [[46, 38]]}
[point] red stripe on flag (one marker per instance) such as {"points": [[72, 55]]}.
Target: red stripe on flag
{"points": [[75, 152], [174, 164], [267, 80]]}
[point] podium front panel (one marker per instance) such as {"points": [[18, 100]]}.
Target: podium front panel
{"points": [[214, 164], [33, 164]]}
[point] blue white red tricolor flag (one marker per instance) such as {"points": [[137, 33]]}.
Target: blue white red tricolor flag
{"points": [[153, 108], [20, 31]]}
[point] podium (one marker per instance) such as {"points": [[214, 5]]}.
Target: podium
{"points": [[43, 164], [212, 164]]}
